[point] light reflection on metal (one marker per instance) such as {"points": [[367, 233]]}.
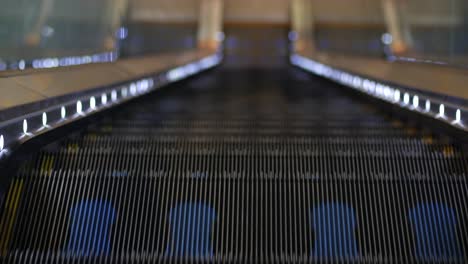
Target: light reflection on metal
{"points": [[416, 101], [428, 106], [92, 103], [44, 119], [63, 112], [442, 110], [114, 96], [104, 99], [25, 126], [79, 107]]}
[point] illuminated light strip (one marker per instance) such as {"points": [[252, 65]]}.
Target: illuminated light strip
{"points": [[22, 65], [142, 86], [139, 87], [44, 119], [428, 106], [406, 99], [210, 61], [63, 112], [25, 126], [416, 101], [382, 91], [133, 89], [55, 62], [92, 103], [397, 95], [379, 89], [151, 83], [79, 107], [190, 69], [124, 92], [458, 116], [114, 95], [176, 74], [442, 110]]}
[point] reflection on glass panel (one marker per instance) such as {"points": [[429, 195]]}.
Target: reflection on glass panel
{"points": [[429, 31], [437, 30], [158, 26], [352, 27], [53, 33], [53, 29]]}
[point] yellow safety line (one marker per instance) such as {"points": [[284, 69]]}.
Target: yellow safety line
{"points": [[6, 214], [46, 165], [50, 165], [9, 216], [428, 140], [448, 151]]}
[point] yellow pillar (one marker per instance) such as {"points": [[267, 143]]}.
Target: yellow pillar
{"points": [[33, 38], [116, 11], [303, 24], [395, 20], [210, 23]]}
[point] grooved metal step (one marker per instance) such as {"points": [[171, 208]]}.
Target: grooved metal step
{"points": [[252, 166]]}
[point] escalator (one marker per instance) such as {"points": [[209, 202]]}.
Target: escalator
{"points": [[271, 165]]}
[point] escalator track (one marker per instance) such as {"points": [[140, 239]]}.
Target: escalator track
{"points": [[242, 166]]}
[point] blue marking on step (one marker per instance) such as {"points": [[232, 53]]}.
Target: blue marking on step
{"points": [[191, 229], [435, 227], [90, 224], [334, 225]]}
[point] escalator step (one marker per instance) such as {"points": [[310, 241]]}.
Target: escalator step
{"points": [[248, 166]]}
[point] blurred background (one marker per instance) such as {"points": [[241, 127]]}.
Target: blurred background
{"points": [[431, 31]]}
